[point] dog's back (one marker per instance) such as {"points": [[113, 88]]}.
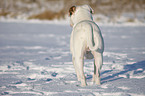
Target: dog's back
{"points": [[89, 30]]}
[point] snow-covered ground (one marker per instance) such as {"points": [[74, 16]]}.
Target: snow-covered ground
{"points": [[35, 60]]}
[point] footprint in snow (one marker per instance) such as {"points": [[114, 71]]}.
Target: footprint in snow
{"points": [[49, 79], [20, 62], [44, 72], [47, 58], [18, 82], [30, 79], [54, 74], [4, 93]]}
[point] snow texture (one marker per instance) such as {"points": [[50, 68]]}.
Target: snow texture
{"points": [[35, 60]]}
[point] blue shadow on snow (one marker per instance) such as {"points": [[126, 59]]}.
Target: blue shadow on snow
{"points": [[127, 68]]}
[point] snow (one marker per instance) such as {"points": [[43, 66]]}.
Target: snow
{"points": [[35, 60]]}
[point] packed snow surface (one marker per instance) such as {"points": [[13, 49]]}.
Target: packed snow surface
{"points": [[35, 60]]}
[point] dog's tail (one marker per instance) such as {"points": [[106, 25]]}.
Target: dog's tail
{"points": [[93, 38]]}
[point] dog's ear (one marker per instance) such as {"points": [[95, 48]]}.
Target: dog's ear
{"points": [[72, 10], [89, 8]]}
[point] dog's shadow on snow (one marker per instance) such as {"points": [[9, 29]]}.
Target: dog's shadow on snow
{"points": [[135, 68]]}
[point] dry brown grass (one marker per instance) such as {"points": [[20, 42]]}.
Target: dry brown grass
{"points": [[4, 13], [107, 7], [130, 20], [48, 15]]}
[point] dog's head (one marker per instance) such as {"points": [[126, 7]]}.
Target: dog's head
{"points": [[79, 13]]}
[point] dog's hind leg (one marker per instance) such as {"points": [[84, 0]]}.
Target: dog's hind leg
{"points": [[97, 67], [79, 63], [77, 73]]}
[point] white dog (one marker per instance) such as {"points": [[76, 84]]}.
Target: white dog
{"points": [[86, 41]]}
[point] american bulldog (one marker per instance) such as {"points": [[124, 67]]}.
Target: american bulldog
{"points": [[86, 41]]}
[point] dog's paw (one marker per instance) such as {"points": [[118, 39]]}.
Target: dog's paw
{"points": [[83, 85], [96, 80], [98, 83]]}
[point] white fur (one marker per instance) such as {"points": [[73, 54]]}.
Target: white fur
{"points": [[86, 40]]}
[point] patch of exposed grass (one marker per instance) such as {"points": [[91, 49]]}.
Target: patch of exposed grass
{"points": [[130, 20], [48, 15], [4, 13]]}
